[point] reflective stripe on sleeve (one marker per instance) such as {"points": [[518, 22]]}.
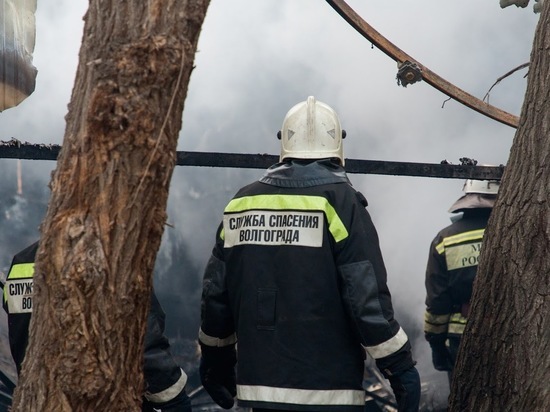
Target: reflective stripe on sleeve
{"points": [[388, 347], [457, 323], [300, 396], [215, 341], [436, 323], [169, 393], [459, 238], [291, 202]]}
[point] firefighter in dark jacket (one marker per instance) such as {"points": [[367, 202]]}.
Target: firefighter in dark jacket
{"points": [[296, 286], [452, 266], [165, 380]]}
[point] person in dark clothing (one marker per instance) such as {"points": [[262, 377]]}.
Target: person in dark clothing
{"points": [[452, 266], [165, 380], [295, 289]]}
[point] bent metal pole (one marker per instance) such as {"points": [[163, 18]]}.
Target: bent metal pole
{"points": [[367, 31]]}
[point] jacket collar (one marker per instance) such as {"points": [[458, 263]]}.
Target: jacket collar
{"points": [[304, 173], [473, 201]]}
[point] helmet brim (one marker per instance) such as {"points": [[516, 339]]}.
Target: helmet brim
{"points": [[473, 201]]}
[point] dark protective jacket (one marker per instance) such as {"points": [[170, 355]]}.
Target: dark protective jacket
{"points": [[297, 279], [164, 378], [452, 266]]}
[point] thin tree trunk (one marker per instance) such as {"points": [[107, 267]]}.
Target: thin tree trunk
{"points": [[504, 360], [107, 211]]}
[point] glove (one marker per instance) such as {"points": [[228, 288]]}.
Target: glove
{"points": [[406, 388], [217, 372], [441, 358], [181, 403]]}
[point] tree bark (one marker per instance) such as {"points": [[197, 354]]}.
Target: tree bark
{"points": [[504, 359], [107, 210]]}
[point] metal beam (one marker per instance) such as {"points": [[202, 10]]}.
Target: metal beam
{"points": [[14, 149]]}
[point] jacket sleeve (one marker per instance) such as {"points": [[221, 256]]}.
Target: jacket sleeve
{"points": [[165, 380], [438, 298], [365, 293], [217, 327]]}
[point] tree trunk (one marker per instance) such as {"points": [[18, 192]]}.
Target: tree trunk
{"points": [[107, 211], [504, 360]]}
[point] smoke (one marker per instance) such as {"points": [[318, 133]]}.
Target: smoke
{"points": [[20, 213]]}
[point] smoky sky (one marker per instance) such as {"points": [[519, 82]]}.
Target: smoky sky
{"points": [[255, 60]]}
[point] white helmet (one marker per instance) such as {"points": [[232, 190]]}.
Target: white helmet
{"points": [[486, 187], [311, 130], [478, 194]]}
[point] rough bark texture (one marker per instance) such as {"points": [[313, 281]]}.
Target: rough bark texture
{"points": [[108, 207], [504, 361]]}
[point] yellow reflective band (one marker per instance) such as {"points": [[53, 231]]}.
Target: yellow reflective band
{"points": [[457, 324], [436, 319], [460, 238], [436, 323], [291, 202], [458, 318], [334, 397], [435, 329], [21, 271]]}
